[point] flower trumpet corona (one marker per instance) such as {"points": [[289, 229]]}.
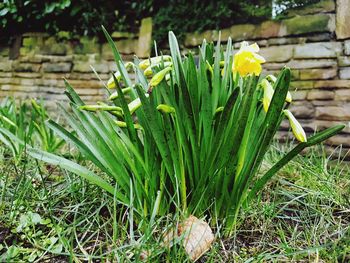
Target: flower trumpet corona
{"points": [[247, 61], [297, 130]]}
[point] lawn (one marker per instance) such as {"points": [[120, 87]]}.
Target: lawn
{"points": [[48, 214]]}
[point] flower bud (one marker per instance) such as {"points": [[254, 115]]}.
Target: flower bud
{"points": [[297, 130], [100, 108], [155, 60], [149, 70], [114, 95], [122, 124], [165, 108], [268, 94], [8, 121], [111, 83], [157, 78]]}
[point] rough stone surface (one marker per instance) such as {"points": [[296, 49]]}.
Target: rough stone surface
{"points": [[333, 113], [342, 19], [57, 67], [312, 63], [318, 50], [308, 74], [343, 61], [307, 24], [277, 54], [344, 73], [320, 95], [342, 95], [145, 38]]}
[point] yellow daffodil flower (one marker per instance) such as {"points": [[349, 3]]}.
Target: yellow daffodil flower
{"points": [[247, 61], [297, 130]]}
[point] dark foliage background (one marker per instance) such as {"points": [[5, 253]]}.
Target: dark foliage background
{"points": [[84, 17]]}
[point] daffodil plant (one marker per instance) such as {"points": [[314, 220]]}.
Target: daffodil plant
{"points": [[183, 135]]}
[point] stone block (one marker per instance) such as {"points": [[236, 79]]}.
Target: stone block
{"points": [[318, 50], [6, 66], [311, 63], [128, 46], [57, 67], [343, 61], [338, 83], [324, 6], [347, 47], [28, 75], [87, 45], [300, 85], [145, 38], [320, 95], [342, 19], [26, 67], [268, 29], [344, 73], [120, 35], [278, 53], [299, 95], [242, 32], [307, 24], [319, 125], [339, 140], [302, 110], [307, 74], [333, 113], [342, 94]]}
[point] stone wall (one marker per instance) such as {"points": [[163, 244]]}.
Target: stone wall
{"points": [[314, 42]]}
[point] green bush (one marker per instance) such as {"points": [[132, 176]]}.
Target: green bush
{"points": [[85, 17], [191, 139]]}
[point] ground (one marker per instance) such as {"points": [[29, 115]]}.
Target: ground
{"points": [[49, 215]]}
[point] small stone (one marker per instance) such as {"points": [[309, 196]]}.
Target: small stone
{"points": [[145, 38], [303, 110], [342, 94], [320, 95], [343, 61], [307, 24], [6, 66], [57, 67], [299, 95], [311, 63], [277, 54], [344, 73], [301, 85], [338, 83], [333, 113], [307, 74], [26, 67], [343, 18], [318, 50]]}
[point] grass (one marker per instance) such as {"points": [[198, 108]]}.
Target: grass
{"points": [[50, 215]]}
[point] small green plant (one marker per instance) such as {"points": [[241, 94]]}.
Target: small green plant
{"points": [[28, 124], [190, 139]]}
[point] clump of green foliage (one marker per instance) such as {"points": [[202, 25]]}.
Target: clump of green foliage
{"points": [[192, 139], [28, 124]]}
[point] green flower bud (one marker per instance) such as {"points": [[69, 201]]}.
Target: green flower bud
{"points": [[155, 60], [114, 95], [100, 108], [111, 83], [157, 78], [8, 121], [268, 94], [165, 108], [122, 124]]}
